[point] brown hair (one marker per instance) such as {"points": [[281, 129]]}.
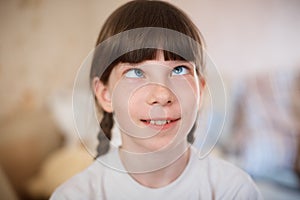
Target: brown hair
{"points": [[139, 14]]}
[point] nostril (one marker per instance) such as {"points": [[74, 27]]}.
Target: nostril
{"points": [[155, 102], [160, 95], [161, 102]]}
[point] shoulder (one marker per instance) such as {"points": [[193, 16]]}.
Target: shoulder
{"points": [[221, 169], [231, 181], [82, 185], [226, 180]]}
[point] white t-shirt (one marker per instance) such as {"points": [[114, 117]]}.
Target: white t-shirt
{"points": [[207, 178]]}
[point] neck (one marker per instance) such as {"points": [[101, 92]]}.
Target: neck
{"points": [[158, 169], [164, 176]]}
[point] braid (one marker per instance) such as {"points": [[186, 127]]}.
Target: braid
{"points": [[191, 135], [104, 134]]}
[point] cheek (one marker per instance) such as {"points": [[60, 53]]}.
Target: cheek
{"points": [[187, 93], [137, 102], [128, 96], [121, 97], [188, 96], [127, 107]]}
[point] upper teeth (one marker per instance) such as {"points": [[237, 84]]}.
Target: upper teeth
{"points": [[159, 122]]}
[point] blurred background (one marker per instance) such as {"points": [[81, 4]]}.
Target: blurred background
{"points": [[255, 45]]}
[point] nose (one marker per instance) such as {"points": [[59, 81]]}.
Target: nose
{"points": [[160, 95]]}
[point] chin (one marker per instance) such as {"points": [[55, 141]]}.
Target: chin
{"points": [[157, 143]]}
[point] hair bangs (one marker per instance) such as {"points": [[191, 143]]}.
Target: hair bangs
{"points": [[141, 55]]}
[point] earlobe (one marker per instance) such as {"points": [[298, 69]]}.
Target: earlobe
{"points": [[102, 94]]}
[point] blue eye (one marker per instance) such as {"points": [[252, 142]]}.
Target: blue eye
{"points": [[180, 70], [134, 73]]}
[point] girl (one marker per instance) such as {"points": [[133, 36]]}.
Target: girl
{"points": [[147, 75]]}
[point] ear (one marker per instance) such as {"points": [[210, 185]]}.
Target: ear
{"points": [[202, 86], [103, 95]]}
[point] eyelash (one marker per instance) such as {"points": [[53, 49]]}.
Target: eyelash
{"points": [[132, 73], [128, 73], [185, 69]]}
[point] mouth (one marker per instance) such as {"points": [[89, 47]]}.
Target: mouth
{"points": [[159, 122]]}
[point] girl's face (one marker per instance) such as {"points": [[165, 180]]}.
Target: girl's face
{"points": [[155, 103]]}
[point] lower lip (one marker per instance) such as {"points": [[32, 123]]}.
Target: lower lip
{"points": [[162, 127]]}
